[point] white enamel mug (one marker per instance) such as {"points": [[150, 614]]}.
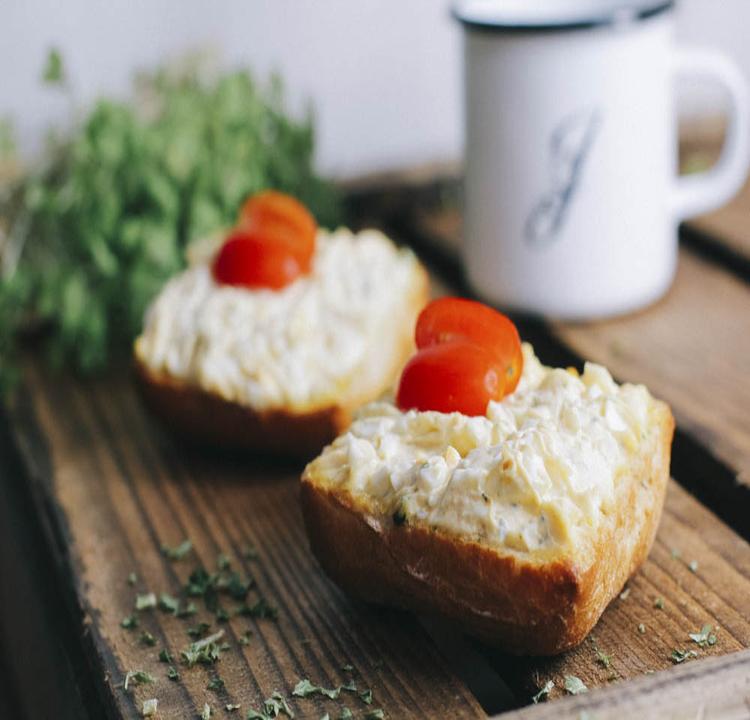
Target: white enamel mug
{"points": [[572, 198]]}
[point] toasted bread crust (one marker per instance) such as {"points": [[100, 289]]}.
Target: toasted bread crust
{"points": [[526, 608], [213, 420]]}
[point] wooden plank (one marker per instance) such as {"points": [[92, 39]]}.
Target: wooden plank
{"points": [[117, 489], [715, 688], [698, 570]]}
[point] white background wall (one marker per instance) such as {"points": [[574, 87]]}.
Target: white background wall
{"points": [[385, 75]]}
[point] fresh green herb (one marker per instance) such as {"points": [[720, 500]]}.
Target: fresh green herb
{"points": [[625, 594], [172, 673], [659, 603], [260, 609], [98, 226], [206, 651], [543, 694], [144, 602], [165, 656], [130, 622], [376, 714], [574, 685], [132, 579], [54, 71], [168, 603], [215, 683], [147, 639], [178, 552], [222, 615], [223, 562], [199, 630], [304, 688], [272, 707], [693, 566], [366, 696], [231, 707], [236, 586], [603, 659], [206, 712], [346, 714], [678, 656], [136, 677], [189, 610], [150, 707], [705, 637], [245, 637], [641, 628]]}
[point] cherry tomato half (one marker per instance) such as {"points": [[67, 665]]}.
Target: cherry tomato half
{"points": [[456, 376], [249, 259], [450, 318], [281, 216]]}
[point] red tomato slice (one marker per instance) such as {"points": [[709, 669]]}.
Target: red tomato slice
{"points": [[281, 216], [250, 260], [448, 319], [455, 376]]}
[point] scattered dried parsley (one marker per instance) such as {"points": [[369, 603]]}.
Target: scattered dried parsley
{"points": [[366, 696], [543, 694], [377, 714], [132, 579], [659, 603], [187, 611], [346, 714], [146, 601], [624, 594], [693, 566], [603, 659], [705, 637], [245, 637], [222, 615], [304, 688], [165, 656], [149, 707], [574, 685], [199, 630], [169, 603], [325, 716], [231, 707], [136, 677], [678, 656], [172, 673], [215, 684], [178, 552], [347, 668], [641, 628], [206, 651], [207, 712], [272, 707], [147, 639], [130, 622]]}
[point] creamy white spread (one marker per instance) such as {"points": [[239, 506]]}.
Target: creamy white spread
{"points": [[298, 347], [538, 469]]}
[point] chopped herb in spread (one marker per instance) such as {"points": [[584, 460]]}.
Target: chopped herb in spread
{"points": [[693, 566], [659, 603], [132, 579], [129, 622], [172, 673], [574, 685], [705, 637], [215, 683], [147, 639], [178, 552], [144, 602], [641, 628], [168, 603], [543, 694], [678, 656], [136, 677], [149, 707]]}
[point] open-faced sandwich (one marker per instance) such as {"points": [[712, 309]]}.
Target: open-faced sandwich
{"points": [[513, 498], [278, 330]]}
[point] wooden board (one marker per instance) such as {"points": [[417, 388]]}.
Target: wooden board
{"points": [[117, 489]]}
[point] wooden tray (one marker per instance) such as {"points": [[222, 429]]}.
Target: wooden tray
{"points": [[93, 490]]}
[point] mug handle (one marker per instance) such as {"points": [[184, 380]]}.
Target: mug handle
{"points": [[699, 193]]}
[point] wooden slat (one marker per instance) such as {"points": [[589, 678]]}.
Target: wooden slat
{"points": [[715, 688], [116, 489], [716, 593]]}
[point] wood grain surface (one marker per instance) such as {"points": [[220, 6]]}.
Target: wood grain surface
{"points": [[121, 489]]}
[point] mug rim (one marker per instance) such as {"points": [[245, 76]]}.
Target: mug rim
{"points": [[628, 11]]}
